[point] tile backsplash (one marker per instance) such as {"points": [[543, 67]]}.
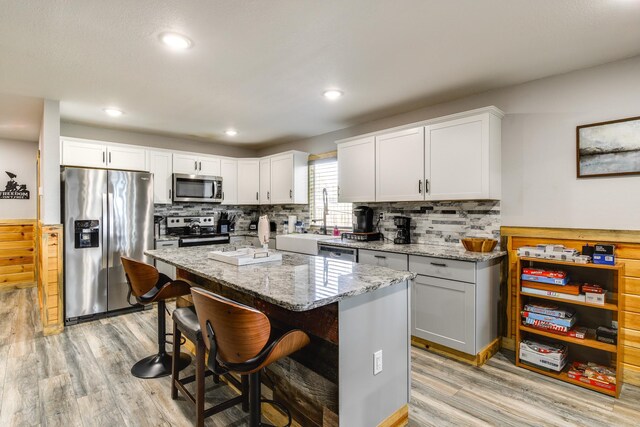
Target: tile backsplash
{"points": [[244, 214], [441, 222], [431, 222]]}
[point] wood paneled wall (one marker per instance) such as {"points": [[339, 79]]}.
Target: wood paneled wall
{"points": [[17, 253], [50, 277], [627, 251]]}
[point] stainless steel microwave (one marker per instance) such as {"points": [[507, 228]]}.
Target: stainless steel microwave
{"points": [[197, 188]]}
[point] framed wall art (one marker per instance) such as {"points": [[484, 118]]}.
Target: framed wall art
{"points": [[608, 148]]}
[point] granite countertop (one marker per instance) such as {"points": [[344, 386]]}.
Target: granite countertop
{"points": [[453, 251], [297, 283]]}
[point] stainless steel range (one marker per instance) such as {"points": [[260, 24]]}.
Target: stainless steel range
{"points": [[195, 231]]}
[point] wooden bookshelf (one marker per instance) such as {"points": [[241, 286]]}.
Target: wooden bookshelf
{"points": [[614, 287]]}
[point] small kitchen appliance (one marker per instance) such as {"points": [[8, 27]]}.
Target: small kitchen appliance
{"points": [[197, 188], [362, 219], [362, 237], [403, 232]]}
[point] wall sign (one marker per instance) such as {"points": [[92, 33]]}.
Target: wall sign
{"points": [[13, 190]]}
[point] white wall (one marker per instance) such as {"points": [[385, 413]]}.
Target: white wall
{"points": [[151, 140], [539, 184], [50, 163], [18, 157]]}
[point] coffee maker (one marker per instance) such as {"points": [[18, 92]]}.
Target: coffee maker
{"points": [[403, 232], [362, 219]]}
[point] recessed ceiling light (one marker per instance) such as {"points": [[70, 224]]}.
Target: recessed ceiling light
{"points": [[231, 132], [175, 41], [113, 112], [332, 94]]}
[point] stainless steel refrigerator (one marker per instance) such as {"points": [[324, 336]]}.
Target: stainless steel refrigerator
{"points": [[107, 214]]}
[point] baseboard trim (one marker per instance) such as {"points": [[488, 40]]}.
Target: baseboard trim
{"points": [[477, 360], [397, 419]]}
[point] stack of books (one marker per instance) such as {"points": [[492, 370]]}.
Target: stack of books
{"points": [[550, 283], [552, 318]]}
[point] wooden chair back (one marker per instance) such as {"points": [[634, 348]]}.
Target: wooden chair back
{"points": [[241, 332], [141, 277]]}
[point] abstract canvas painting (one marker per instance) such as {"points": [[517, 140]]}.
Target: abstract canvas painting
{"points": [[609, 148]]}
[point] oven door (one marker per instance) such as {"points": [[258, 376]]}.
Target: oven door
{"points": [[197, 188], [186, 242]]}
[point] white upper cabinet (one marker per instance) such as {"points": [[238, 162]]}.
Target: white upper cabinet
{"points": [[160, 165], [229, 174], [265, 181], [126, 158], [400, 166], [462, 158], [248, 181], [209, 166], [84, 153], [456, 157], [357, 170], [284, 178], [97, 154], [185, 163]]}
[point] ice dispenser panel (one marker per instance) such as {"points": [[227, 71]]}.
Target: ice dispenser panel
{"points": [[87, 234]]}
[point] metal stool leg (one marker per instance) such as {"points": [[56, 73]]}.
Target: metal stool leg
{"points": [[200, 371], [159, 365], [175, 372], [254, 400]]}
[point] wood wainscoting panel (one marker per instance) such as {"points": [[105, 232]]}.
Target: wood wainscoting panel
{"points": [[17, 254], [627, 244], [50, 277]]}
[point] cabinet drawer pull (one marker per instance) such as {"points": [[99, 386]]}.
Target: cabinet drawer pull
{"points": [[380, 256], [439, 264]]}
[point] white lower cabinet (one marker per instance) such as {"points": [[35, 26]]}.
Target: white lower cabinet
{"points": [[444, 312], [455, 303]]}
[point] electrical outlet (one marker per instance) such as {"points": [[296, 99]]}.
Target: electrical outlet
{"points": [[377, 362], [381, 216]]}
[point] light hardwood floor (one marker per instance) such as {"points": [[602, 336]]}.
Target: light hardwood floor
{"points": [[81, 378]]}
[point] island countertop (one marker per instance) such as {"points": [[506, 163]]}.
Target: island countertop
{"points": [[297, 283]]}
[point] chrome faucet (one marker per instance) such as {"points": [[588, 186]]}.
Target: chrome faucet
{"points": [[325, 210]]}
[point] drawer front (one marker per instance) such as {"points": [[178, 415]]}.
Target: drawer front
{"points": [[167, 244], [383, 259], [443, 268], [443, 312]]}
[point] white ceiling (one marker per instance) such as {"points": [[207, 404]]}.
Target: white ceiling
{"points": [[20, 117], [261, 66]]}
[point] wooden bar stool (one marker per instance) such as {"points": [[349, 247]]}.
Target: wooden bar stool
{"points": [[185, 322], [239, 339], [148, 286]]}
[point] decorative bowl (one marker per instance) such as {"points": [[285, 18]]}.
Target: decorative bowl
{"points": [[475, 244]]}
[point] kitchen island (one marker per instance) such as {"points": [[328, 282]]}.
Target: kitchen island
{"points": [[350, 312]]}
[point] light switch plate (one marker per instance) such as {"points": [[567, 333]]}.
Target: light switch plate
{"points": [[377, 362]]}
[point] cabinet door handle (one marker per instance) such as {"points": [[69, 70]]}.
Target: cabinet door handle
{"points": [[420, 186], [103, 157], [195, 165], [199, 166], [169, 194], [426, 186], [268, 195], [291, 194], [109, 158], [380, 256], [257, 195], [439, 264], [223, 195]]}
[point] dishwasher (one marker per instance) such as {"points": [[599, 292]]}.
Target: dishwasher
{"points": [[334, 252]]}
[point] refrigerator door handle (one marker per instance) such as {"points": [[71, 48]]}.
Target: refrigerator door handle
{"points": [[111, 243], [105, 231]]}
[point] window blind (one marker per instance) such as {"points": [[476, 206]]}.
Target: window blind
{"points": [[324, 174]]}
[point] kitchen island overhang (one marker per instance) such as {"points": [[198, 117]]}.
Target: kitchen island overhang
{"points": [[350, 311]]}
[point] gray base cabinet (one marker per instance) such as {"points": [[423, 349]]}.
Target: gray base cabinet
{"points": [[455, 303]]}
